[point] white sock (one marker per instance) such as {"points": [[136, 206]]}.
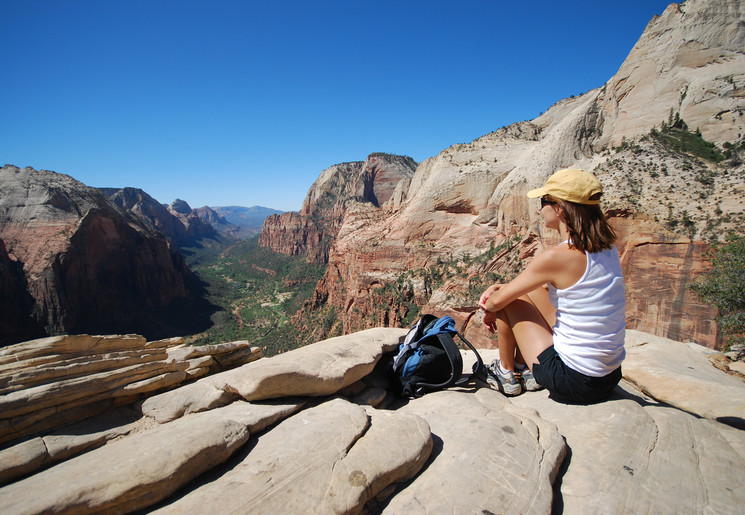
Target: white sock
{"points": [[503, 370]]}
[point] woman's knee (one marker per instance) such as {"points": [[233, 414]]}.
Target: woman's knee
{"points": [[522, 309]]}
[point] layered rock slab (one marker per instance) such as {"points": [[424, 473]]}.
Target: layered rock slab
{"points": [[489, 457], [54, 381], [191, 398], [319, 369], [142, 469], [631, 455], [33, 454], [330, 458], [488, 452], [48, 405], [681, 375]]}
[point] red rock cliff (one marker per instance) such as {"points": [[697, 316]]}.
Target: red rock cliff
{"points": [[312, 231], [88, 265]]}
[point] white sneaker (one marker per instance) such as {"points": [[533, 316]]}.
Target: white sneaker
{"points": [[528, 380], [505, 383]]}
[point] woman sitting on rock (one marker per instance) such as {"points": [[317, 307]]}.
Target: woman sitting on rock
{"points": [[561, 322]]}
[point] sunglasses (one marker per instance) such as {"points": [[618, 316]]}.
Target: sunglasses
{"points": [[546, 202]]}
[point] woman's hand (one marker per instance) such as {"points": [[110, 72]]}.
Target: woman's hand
{"points": [[488, 293], [490, 317], [490, 321]]}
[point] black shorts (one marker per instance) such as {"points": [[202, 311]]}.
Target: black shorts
{"points": [[570, 385]]}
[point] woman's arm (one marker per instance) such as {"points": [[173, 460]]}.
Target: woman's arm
{"points": [[543, 269]]}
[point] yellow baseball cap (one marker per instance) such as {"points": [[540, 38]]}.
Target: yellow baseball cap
{"points": [[572, 185]]}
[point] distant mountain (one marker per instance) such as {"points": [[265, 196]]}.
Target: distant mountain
{"points": [[189, 228], [186, 227], [249, 220], [182, 226]]}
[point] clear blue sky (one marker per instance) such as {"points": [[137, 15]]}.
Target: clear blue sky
{"points": [[246, 102]]}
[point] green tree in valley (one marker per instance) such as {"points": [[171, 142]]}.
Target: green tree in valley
{"points": [[724, 286]]}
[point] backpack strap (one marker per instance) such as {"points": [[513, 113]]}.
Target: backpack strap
{"points": [[479, 369]]}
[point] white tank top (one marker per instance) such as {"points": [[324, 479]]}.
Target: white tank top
{"points": [[591, 316]]}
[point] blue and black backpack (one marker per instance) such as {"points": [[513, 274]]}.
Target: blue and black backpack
{"points": [[429, 358]]}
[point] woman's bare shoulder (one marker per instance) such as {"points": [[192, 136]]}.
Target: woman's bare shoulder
{"points": [[552, 259], [567, 264], [558, 252]]}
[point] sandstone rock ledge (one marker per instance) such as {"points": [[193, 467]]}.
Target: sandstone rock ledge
{"points": [[54, 381], [314, 431]]}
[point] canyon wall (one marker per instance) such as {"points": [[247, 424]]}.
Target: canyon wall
{"points": [[16, 304], [312, 231], [430, 242], [87, 264]]}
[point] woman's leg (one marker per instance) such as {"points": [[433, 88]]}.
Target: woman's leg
{"points": [[506, 342], [540, 298], [524, 328]]}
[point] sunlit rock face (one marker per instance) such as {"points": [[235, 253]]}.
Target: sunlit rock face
{"points": [[665, 204], [312, 231], [689, 59], [310, 430]]}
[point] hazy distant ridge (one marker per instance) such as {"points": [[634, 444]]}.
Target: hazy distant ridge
{"points": [[248, 219]]}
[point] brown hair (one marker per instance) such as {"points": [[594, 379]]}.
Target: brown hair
{"points": [[588, 227]]}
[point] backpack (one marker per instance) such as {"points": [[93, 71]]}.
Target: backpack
{"points": [[429, 358]]}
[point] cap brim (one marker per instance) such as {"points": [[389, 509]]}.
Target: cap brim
{"points": [[537, 193]]}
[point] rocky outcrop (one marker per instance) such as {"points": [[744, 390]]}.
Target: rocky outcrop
{"points": [[306, 371], [347, 468], [88, 265], [431, 242], [212, 439], [197, 227], [149, 211], [295, 235], [375, 180], [696, 48], [489, 443], [338, 442], [686, 380], [220, 224], [655, 260], [51, 382], [312, 231]]}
